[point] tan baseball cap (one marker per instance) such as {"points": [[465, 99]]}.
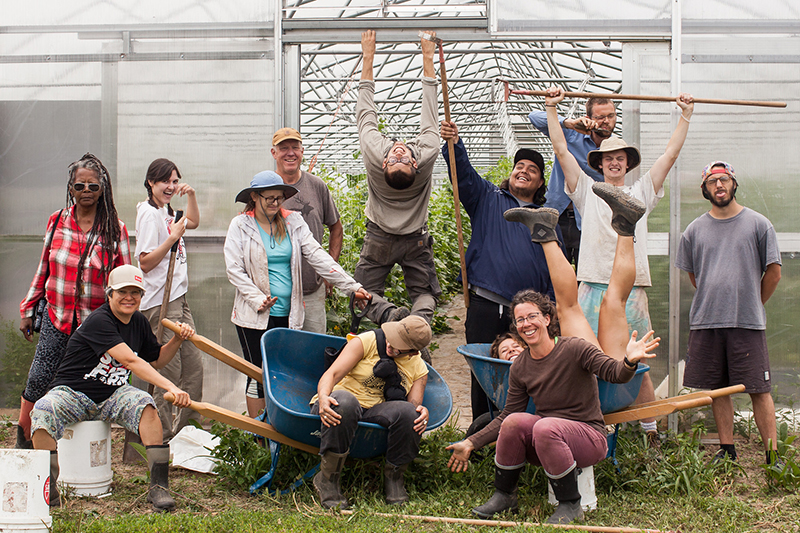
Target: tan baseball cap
{"points": [[411, 333], [126, 276], [284, 134]]}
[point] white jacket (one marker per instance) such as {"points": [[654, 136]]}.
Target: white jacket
{"points": [[246, 266]]}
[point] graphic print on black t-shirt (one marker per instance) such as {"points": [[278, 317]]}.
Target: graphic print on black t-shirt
{"points": [[109, 371]]}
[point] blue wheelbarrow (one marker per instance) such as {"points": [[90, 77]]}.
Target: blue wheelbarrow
{"points": [[293, 361], [492, 375]]}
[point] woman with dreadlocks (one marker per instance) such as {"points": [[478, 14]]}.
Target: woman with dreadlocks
{"points": [[84, 242], [156, 233]]}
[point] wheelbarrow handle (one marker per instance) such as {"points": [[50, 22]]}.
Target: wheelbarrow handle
{"points": [[355, 318]]}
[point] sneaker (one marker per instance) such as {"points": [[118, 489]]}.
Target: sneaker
{"points": [[626, 210], [720, 456], [397, 314], [541, 222]]}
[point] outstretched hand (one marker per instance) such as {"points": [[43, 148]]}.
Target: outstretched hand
{"points": [[459, 461], [640, 349]]}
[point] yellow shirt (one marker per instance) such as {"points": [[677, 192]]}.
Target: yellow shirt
{"points": [[366, 386]]}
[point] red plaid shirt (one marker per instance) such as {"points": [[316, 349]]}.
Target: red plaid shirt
{"points": [[63, 256]]}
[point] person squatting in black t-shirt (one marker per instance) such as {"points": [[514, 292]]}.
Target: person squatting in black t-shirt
{"points": [[92, 381]]}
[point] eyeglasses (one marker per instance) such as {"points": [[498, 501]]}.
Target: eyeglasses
{"points": [[78, 187], [530, 318], [403, 160], [135, 293], [604, 117], [713, 181], [273, 199]]}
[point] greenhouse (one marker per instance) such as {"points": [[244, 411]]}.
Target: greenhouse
{"points": [[206, 84]]}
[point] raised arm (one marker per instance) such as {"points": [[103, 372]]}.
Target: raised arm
{"points": [[428, 49], [662, 166], [368, 51], [569, 164]]}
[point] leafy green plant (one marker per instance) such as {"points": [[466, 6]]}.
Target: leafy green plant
{"points": [[785, 473], [15, 362], [241, 460]]}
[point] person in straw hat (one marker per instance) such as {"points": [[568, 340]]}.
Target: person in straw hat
{"points": [[263, 251], [614, 159]]}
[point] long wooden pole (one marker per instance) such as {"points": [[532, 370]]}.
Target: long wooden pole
{"points": [[649, 98], [223, 354], [162, 313], [506, 523], [454, 176], [244, 422]]}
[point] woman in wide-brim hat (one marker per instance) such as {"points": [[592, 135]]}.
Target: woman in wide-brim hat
{"points": [[263, 251]]}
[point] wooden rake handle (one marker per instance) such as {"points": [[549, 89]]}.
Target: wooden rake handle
{"points": [[648, 98], [244, 422], [218, 352]]}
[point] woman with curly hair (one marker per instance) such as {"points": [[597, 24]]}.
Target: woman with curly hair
{"points": [[84, 242]]}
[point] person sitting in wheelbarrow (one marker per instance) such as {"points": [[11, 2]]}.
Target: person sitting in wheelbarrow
{"points": [[378, 377], [558, 371]]}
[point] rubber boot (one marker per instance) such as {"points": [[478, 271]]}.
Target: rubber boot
{"points": [[541, 222], [55, 497], [158, 461], [505, 493], [24, 427], [566, 492], [327, 480], [393, 484], [626, 210]]}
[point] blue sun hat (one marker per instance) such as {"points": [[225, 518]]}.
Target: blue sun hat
{"points": [[266, 180]]}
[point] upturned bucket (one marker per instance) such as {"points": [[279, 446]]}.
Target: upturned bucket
{"points": [[24, 488], [585, 486], [84, 456]]}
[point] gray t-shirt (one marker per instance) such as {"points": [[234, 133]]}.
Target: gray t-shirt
{"points": [[314, 202], [728, 257]]}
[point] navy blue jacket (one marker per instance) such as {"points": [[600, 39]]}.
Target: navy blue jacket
{"points": [[500, 257]]}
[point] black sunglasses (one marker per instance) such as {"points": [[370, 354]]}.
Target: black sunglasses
{"points": [[78, 187]]}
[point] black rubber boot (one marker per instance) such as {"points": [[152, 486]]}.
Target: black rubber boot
{"points": [[626, 210], [505, 493], [158, 461], [566, 492], [327, 481], [22, 442], [393, 484], [541, 222], [55, 497]]}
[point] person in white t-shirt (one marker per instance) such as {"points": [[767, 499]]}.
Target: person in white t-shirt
{"points": [[614, 159], [156, 233]]}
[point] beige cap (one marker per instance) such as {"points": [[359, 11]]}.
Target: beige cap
{"points": [[411, 333], [286, 133], [126, 276]]}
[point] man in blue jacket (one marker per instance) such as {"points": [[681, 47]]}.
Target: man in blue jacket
{"points": [[501, 259]]}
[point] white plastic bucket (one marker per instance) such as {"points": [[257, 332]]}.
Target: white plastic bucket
{"points": [[84, 456], [24, 489], [585, 486]]}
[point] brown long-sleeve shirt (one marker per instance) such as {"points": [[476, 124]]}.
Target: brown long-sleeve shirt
{"points": [[562, 384]]}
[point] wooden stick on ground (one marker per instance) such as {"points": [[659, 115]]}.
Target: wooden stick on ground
{"points": [[223, 354], [504, 523], [643, 97], [244, 422]]}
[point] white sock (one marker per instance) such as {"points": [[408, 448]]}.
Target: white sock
{"points": [[649, 426]]}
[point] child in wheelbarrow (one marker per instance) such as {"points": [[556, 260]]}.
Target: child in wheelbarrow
{"points": [[567, 432], [378, 377]]}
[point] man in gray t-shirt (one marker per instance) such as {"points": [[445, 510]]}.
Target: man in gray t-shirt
{"points": [[732, 257], [315, 203]]}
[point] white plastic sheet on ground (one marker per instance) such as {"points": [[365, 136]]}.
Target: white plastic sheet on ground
{"points": [[191, 449]]}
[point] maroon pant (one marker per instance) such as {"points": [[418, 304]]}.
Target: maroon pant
{"points": [[557, 444]]}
